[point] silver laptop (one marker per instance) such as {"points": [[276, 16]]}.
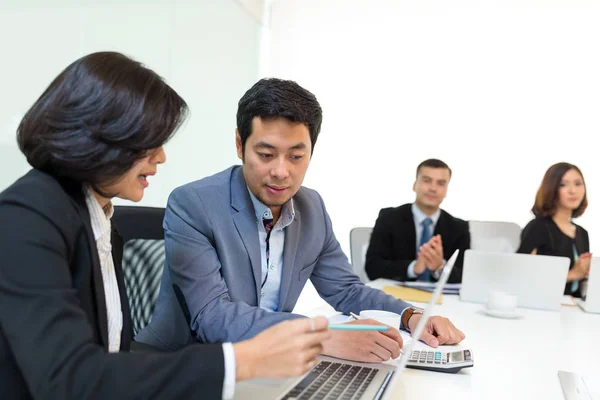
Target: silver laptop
{"points": [[591, 303], [334, 378], [538, 281], [573, 386]]}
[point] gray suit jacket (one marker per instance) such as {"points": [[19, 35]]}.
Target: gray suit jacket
{"points": [[213, 265]]}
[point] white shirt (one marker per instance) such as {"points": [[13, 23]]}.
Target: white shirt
{"points": [[271, 274], [418, 217], [101, 227]]}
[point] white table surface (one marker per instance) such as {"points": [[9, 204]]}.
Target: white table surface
{"points": [[514, 359]]}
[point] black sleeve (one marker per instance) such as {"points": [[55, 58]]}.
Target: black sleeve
{"points": [[51, 338], [585, 241], [464, 243], [535, 235], [380, 260]]}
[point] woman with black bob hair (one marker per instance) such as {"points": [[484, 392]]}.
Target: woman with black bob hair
{"points": [[96, 133]]}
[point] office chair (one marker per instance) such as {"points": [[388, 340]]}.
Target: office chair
{"points": [[359, 243], [143, 258], [495, 236]]}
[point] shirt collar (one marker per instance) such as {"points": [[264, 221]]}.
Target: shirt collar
{"points": [[262, 211], [420, 216], [99, 217]]}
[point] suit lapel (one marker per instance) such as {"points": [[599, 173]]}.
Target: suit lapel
{"points": [[98, 285], [292, 237], [410, 232], [442, 227], [244, 220]]}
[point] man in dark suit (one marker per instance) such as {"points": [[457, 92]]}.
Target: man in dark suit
{"points": [[413, 241]]}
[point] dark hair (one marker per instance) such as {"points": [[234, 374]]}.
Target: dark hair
{"points": [[433, 163], [98, 117], [546, 198], [272, 98]]}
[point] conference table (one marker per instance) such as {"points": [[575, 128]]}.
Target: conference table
{"points": [[514, 358]]}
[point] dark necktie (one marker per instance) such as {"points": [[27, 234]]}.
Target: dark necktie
{"points": [[268, 223], [425, 237]]}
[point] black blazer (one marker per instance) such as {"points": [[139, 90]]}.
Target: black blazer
{"points": [[543, 234], [393, 243], [53, 322]]}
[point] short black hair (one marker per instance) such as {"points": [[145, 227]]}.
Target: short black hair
{"points": [[434, 163], [272, 98], [98, 117]]}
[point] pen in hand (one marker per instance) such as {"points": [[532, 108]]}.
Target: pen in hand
{"points": [[349, 327], [356, 317]]}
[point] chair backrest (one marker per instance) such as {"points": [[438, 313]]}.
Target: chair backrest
{"points": [[359, 243], [503, 237], [143, 258]]}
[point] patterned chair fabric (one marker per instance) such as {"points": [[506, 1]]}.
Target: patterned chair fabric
{"points": [[143, 258], [143, 261]]}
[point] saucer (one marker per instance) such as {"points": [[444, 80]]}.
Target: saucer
{"points": [[502, 314]]}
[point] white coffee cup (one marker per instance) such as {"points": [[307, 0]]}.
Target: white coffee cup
{"points": [[385, 317], [501, 301]]}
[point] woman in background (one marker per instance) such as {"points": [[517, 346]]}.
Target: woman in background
{"points": [[96, 133], [560, 198]]}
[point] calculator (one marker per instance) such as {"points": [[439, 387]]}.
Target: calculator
{"points": [[433, 360]]}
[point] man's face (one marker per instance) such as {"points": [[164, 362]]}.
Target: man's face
{"points": [[275, 160], [431, 187]]}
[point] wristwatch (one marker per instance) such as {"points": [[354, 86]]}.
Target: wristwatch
{"points": [[409, 312]]}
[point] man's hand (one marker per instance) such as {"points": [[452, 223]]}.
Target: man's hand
{"points": [[439, 330], [432, 253], [420, 265], [364, 346]]}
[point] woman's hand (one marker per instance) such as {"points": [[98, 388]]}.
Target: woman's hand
{"points": [[287, 349], [581, 268]]}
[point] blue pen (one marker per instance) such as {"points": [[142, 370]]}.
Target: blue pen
{"points": [[351, 327]]}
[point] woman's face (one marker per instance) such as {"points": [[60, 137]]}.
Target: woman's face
{"points": [[571, 190], [132, 184]]}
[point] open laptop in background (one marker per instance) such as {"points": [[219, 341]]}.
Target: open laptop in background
{"points": [[538, 281], [334, 378], [591, 303]]}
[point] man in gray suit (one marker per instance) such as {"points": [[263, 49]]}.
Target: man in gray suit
{"points": [[241, 244]]}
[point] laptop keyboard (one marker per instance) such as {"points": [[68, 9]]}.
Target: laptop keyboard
{"points": [[331, 380]]}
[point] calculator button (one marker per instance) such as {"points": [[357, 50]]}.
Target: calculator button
{"points": [[467, 355]]}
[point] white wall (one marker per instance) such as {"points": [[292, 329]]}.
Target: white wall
{"points": [[207, 50], [500, 90]]}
